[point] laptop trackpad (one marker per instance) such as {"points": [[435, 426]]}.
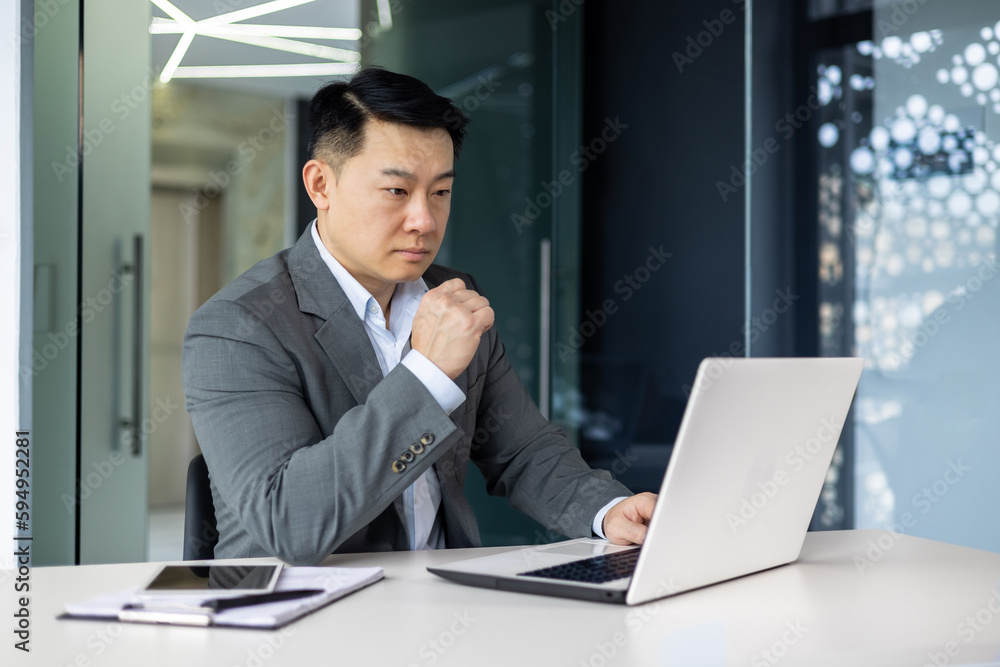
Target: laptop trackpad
{"points": [[583, 549]]}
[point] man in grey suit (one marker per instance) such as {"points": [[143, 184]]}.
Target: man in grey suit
{"points": [[339, 389]]}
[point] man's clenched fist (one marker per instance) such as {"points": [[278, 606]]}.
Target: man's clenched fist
{"points": [[448, 325]]}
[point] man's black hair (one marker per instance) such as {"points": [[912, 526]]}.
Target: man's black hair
{"points": [[339, 111]]}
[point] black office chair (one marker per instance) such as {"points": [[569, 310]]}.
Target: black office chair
{"points": [[200, 531]]}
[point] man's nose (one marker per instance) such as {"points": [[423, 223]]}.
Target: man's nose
{"points": [[419, 217]]}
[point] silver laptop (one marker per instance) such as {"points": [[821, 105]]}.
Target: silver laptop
{"points": [[748, 466]]}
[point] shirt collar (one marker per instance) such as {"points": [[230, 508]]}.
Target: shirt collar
{"points": [[355, 291]]}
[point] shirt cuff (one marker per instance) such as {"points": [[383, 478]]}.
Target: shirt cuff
{"points": [[445, 392], [598, 525]]}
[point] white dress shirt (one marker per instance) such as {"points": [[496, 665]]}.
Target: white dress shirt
{"points": [[392, 346]]}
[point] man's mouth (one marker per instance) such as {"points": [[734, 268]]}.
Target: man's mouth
{"points": [[414, 254]]}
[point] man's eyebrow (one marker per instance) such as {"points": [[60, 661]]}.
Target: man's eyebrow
{"points": [[402, 173]]}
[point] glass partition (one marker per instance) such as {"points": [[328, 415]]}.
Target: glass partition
{"points": [[907, 149]]}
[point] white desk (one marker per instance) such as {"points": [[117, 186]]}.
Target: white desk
{"points": [[819, 611]]}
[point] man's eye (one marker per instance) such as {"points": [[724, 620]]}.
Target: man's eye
{"points": [[396, 191], [443, 193]]}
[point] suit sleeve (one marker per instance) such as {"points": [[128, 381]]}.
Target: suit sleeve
{"points": [[530, 461], [299, 494]]}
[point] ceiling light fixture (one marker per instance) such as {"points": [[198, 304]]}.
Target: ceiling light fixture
{"points": [[255, 71], [293, 46], [185, 41], [163, 26], [384, 14], [255, 11], [266, 36], [176, 56]]}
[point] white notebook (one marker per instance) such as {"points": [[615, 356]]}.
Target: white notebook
{"points": [[336, 582]]}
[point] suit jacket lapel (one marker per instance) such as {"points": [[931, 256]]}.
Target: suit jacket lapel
{"points": [[342, 336]]}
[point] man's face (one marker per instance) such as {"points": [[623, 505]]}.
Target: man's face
{"points": [[389, 206]]}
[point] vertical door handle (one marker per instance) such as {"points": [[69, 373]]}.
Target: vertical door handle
{"points": [[134, 422], [545, 328]]}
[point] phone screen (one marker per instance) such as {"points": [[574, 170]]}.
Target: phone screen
{"points": [[242, 578]]}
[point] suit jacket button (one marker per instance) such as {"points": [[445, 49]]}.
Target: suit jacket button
{"points": [[417, 448], [398, 466], [427, 439], [407, 457]]}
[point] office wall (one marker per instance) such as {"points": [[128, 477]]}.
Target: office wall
{"points": [[680, 107]]}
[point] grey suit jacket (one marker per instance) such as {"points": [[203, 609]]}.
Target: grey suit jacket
{"points": [[309, 448]]}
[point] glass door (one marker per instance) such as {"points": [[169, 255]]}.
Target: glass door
{"points": [[90, 348]]}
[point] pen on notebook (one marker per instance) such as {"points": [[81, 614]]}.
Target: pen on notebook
{"points": [[221, 604], [263, 598]]}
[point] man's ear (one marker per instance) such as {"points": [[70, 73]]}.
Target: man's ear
{"points": [[318, 178]]}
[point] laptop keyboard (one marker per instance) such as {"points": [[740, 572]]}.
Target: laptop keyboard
{"points": [[596, 570]]}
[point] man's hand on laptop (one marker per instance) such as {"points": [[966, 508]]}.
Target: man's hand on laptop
{"points": [[625, 523]]}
